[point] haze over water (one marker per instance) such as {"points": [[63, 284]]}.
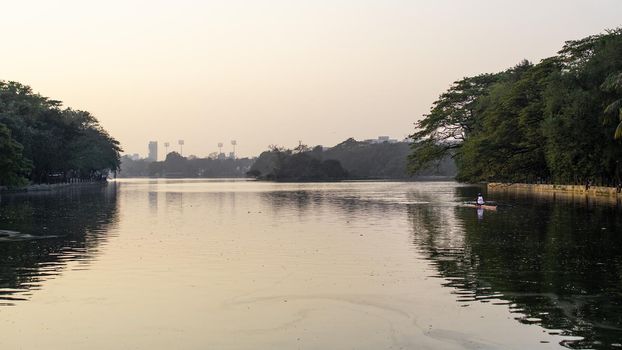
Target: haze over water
{"points": [[273, 71], [188, 264]]}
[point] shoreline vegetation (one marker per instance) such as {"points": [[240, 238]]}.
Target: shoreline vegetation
{"points": [[300, 164], [52, 187], [558, 121], [349, 160], [43, 143], [177, 166]]}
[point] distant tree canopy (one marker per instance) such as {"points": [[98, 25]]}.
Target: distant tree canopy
{"points": [[358, 160], [178, 166], [383, 160], [559, 120], [13, 166], [40, 142], [299, 164]]}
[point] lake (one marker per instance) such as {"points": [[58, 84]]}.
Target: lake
{"points": [[236, 264]]}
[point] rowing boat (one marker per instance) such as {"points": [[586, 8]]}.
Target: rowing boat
{"points": [[486, 206]]}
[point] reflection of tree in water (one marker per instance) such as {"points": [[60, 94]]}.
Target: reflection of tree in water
{"points": [[52, 229], [349, 203], [283, 199], [556, 264]]}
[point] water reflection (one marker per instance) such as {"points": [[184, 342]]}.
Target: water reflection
{"points": [[244, 265], [153, 202], [347, 198], [554, 263], [175, 201], [43, 232]]}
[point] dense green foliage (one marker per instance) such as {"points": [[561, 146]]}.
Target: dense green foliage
{"points": [[13, 166], [557, 120], [381, 160], [42, 143], [300, 164], [177, 166], [361, 160]]}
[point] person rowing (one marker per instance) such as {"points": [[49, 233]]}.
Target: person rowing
{"points": [[480, 199], [480, 203]]}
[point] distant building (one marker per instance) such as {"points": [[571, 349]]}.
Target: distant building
{"points": [[134, 156], [153, 151]]}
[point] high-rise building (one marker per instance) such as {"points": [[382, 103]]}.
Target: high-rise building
{"points": [[153, 151]]}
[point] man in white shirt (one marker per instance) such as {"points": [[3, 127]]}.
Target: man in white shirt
{"points": [[480, 199]]}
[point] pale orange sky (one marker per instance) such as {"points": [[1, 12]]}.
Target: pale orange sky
{"points": [[273, 72]]}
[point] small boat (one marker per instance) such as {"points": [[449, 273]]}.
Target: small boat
{"points": [[486, 205]]}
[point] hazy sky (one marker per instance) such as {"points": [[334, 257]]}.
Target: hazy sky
{"points": [[273, 72]]}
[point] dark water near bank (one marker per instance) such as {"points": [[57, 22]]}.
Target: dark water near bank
{"points": [[245, 265]]}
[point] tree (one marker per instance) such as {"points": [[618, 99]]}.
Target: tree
{"points": [[301, 164], [580, 145], [58, 143], [613, 84], [509, 145], [453, 117], [533, 122], [13, 167]]}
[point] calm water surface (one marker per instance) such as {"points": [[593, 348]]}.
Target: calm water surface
{"points": [[183, 264]]}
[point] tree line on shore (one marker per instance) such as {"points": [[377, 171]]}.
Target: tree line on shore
{"points": [[41, 142], [349, 159], [177, 166], [299, 164], [556, 121]]}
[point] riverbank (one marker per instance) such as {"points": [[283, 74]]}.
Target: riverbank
{"points": [[602, 191], [49, 187]]}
